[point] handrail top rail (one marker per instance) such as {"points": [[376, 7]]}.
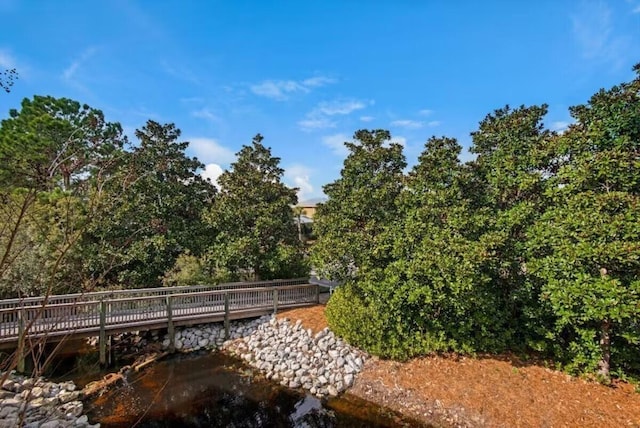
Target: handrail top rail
{"points": [[264, 290], [142, 298], [160, 290]]}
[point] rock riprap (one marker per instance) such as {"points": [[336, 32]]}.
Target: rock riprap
{"points": [[322, 364], [211, 336], [40, 404]]}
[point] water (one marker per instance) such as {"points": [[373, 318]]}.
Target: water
{"points": [[215, 390]]}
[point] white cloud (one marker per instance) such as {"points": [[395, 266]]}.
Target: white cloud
{"points": [[212, 171], [593, 29], [635, 6], [314, 82], [339, 107], [205, 113], [7, 61], [280, 90], [406, 123], [367, 118], [69, 72], [425, 112], [299, 176], [433, 123], [336, 143], [399, 140], [208, 150], [311, 123], [320, 117], [179, 71]]}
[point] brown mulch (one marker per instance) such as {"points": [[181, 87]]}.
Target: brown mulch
{"points": [[489, 391]]}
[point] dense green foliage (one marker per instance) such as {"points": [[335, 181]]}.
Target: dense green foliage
{"points": [[532, 246], [151, 212], [256, 236], [82, 209]]}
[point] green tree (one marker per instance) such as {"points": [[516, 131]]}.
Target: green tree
{"points": [[353, 224], [510, 174], [51, 142], [49, 150], [150, 212], [356, 230], [586, 246], [445, 294], [256, 235]]}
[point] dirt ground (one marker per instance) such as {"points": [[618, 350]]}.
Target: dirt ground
{"points": [[490, 391]]}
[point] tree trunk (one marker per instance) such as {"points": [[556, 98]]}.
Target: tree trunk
{"points": [[605, 341], [605, 349]]}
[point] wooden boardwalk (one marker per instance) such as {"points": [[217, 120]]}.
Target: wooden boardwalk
{"points": [[106, 313]]}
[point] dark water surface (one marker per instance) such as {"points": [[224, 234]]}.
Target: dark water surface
{"points": [[215, 390]]}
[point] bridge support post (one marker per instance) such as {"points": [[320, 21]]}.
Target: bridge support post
{"points": [[275, 301], [171, 331], [226, 316], [102, 339], [20, 354]]}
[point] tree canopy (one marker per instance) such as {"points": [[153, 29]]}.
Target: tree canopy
{"points": [[534, 245], [255, 232]]}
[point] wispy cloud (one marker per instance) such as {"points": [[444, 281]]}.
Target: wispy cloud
{"points": [[311, 123], [205, 113], [7, 60], [314, 82], [320, 116], [208, 150], [280, 90], [299, 176], [336, 143], [175, 69], [433, 123], [425, 112], [407, 123], [340, 107], [367, 118], [143, 112], [70, 72], [635, 5], [593, 30]]}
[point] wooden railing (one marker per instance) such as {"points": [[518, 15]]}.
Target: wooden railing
{"points": [[141, 292], [106, 312]]}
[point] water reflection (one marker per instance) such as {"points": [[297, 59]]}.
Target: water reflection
{"points": [[215, 390]]}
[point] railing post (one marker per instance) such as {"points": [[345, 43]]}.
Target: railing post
{"points": [[226, 315], [102, 340], [20, 351], [317, 294], [275, 301], [171, 331]]}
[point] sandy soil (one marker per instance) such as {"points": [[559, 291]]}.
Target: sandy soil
{"points": [[487, 391]]}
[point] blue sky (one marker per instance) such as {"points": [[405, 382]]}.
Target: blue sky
{"points": [[308, 74]]}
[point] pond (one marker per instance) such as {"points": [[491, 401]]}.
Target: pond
{"points": [[216, 390]]}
